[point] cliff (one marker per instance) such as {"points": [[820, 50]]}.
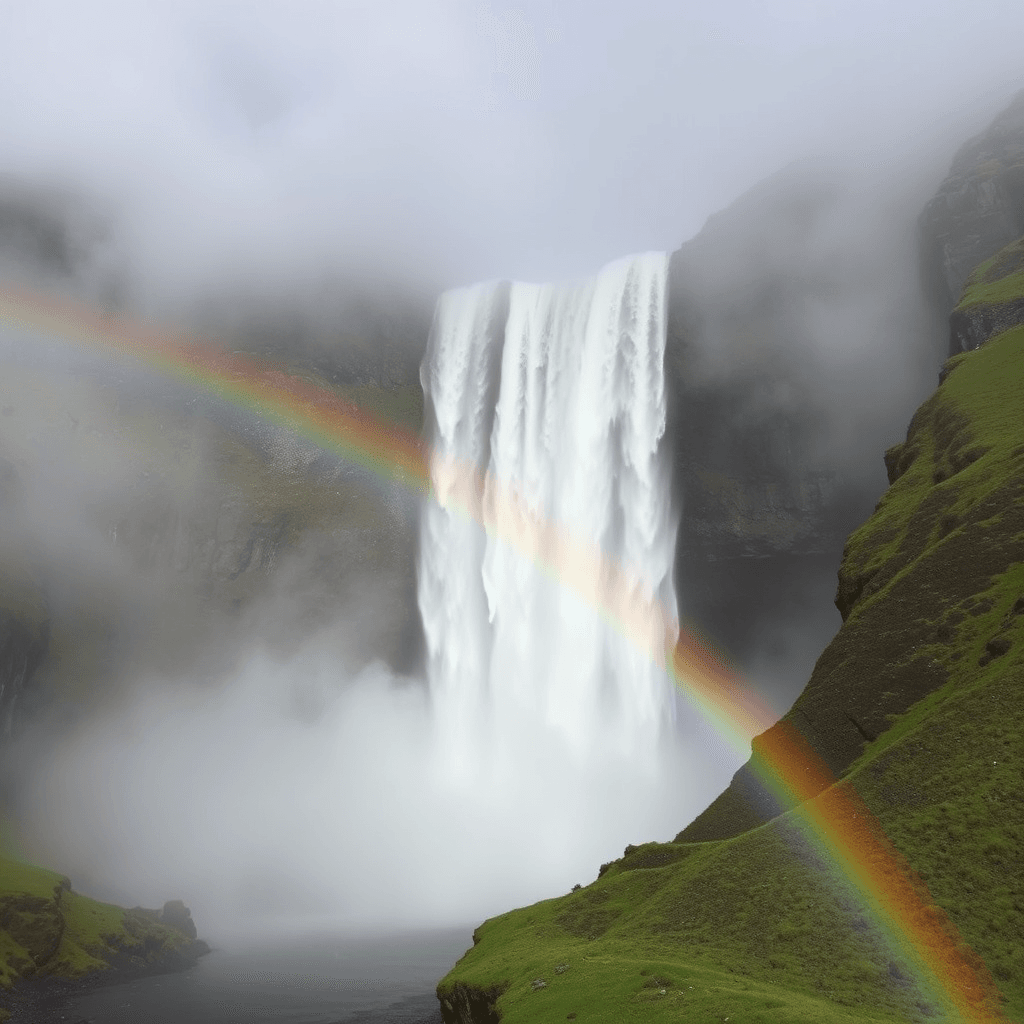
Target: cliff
{"points": [[786, 311], [50, 936], [193, 525], [148, 529], [839, 712], [978, 209]]}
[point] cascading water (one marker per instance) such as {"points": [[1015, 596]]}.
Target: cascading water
{"points": [[555, 393]]}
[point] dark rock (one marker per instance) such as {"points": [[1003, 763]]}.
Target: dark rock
{"points": [[995, 648], [24, 640], [979, 207], [970, 328], [176, 915], [766, 494], [466, 1004]]}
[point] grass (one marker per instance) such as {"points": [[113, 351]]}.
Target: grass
{"points": [[611, 981], [931, 657], [997, 280], [49, 930]]}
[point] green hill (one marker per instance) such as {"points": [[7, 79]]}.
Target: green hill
{"points": [[916, 705], [51, 934]]}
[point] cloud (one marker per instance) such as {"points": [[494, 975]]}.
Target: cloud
{"points": [[462, 139]]}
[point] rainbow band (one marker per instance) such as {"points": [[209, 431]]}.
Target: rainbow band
{"points": [[313, 412], [830, 813], [834, 816]]}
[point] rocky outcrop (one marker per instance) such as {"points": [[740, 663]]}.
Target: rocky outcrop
{"points": [[991, 302], [979, 207], [35, 923], [176, 915], [972, 326], [470, 1004], [762, 474], [57, 942]]}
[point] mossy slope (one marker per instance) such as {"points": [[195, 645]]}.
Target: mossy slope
{"points": [[916, 703], [48, 932], [992, 302]]}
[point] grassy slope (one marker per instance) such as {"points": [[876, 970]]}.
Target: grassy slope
{"points": [[997, 280], [48, 930], [756, 924]]}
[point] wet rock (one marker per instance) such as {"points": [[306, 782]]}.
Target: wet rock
{"points": [[970, 328], [979, 207], [176, 915]]}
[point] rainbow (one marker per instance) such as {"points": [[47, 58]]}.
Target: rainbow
{"points": [[831, 813]]}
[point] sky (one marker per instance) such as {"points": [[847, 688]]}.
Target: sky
{"points": [[469, 139]]}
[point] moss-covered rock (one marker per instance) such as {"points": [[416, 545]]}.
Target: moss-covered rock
{"points": [[52, 936], [992, 302]]}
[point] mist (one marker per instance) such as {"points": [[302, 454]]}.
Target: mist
{"points": [[286, 796]]}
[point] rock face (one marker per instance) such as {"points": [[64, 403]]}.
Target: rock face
{"points": [[465, 1004], [176, 915], [978, 209], [24, 641], [969, 234], [927, 578], [991, 302], [145, 527], [191, 528], [761, 409]]}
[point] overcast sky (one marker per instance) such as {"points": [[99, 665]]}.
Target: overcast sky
{"points": [[478, 138]]}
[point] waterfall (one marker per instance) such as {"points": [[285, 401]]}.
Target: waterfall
{"points": [[555, 393]]}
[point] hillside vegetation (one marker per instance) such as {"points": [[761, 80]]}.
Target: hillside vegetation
{"points": [[50, 933], [916, 704]]}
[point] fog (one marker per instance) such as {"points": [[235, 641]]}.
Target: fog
{"points": [[237, 166], [286, 798], [460, 138]]}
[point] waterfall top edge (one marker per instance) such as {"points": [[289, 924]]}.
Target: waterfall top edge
{"points": [[568, 282]]}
